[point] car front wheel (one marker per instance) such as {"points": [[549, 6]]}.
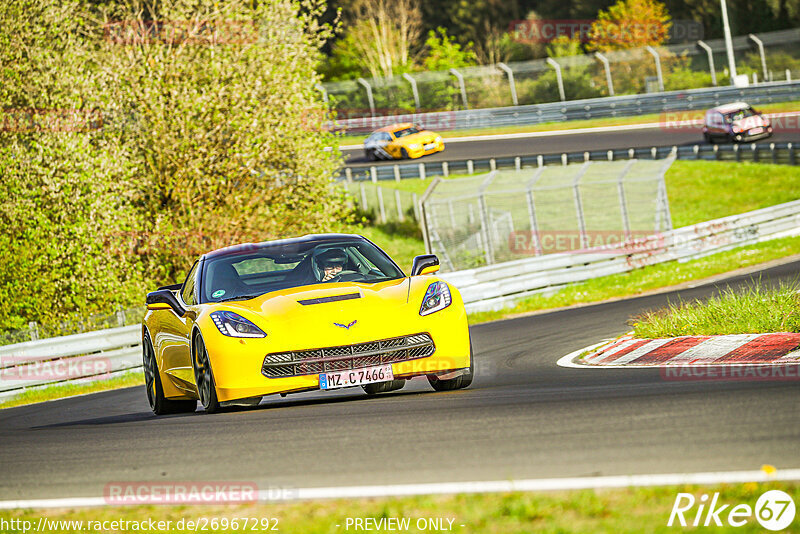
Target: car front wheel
{"points": [[459, 382], [204, 377]]}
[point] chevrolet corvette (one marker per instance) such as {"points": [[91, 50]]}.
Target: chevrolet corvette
{"points": [[319, 312]]}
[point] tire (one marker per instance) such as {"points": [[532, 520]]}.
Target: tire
{"points": [[708, 138], [403, 153], [155, 392], [459, 382], [204, 377], [371, 156], [383, 387]]}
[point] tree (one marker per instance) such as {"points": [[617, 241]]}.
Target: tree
{"points": [[384, 33], [630, 24]]}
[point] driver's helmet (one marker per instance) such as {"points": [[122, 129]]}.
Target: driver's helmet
{"points": [[332, 257]]}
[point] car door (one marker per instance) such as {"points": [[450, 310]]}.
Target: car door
{"points": [[176, 333]]}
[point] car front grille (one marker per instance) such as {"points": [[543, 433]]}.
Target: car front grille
{"points": [[371, 353]]}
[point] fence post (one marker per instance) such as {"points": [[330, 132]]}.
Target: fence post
{"points": [[505, 68], [381, 207], [564, 159], [363, 197], [610, 155], [790, 148], [413, 83], [460, 78], [657, 59], [486, 229], [710, 54], [579, 204], [716, 151], [518, 163], [631, 153], [121, 317], [373, 171], [396, 173], [557, 67], [368, 87], [470, 167], [586, 156], [445, 169], [421, 171], [399, 205], [33, 328], [754, 149], [760, 46], [423, 220], [737, 152], [607, 68], [540, 160], [348, 175], [623, 205], [537, 243], [492, 164]]}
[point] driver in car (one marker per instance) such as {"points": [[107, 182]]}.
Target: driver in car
{"points": [[331, 262]]}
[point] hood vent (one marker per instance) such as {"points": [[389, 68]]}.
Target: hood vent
{"points": [[335, 298]]}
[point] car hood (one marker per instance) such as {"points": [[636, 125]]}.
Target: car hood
{"points": [[378, 310], [753, 121], [422, 137]]}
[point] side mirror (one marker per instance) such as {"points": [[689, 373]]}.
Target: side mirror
{"points": [[165, 296], [425, 264]]}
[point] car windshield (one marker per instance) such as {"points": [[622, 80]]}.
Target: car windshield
{"points": [[406, 131], [741, 114], [275, 266]]}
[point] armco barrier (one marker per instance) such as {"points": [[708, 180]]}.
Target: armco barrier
{"points": [[783, 153], [484, 288], [615, 106]]}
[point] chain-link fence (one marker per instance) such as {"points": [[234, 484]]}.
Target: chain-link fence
{"points": [[769, 56], [384, 204], [36, 331], [507, 215]]}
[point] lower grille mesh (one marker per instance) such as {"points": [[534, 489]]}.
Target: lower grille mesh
{"points": [[315, 361]]}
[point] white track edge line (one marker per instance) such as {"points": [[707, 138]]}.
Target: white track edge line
{"points": [[491, 486]]}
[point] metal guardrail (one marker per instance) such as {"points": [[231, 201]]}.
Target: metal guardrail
{"points": [[616, 106], [97, 354], [103, 353], [496, 286], [783, 153]]}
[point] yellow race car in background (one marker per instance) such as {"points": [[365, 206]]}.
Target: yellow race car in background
{"points": [[316, 312], [402, 141]]}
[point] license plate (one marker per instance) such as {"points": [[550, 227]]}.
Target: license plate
{"points": [[756, 130], [355, 377], [430, 146]]}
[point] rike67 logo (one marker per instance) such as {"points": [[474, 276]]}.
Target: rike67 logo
{"points": [[774, 510]]}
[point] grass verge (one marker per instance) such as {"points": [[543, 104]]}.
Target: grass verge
{"points": [[618, 510], [754, 309], [59, 391], [648, 278], [779, 107]]}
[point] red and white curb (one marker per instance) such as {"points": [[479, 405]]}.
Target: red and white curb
{"points": [[740, 349]]}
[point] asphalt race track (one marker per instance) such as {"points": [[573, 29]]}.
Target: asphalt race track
{"points": [[523, 417], [555, 144]]}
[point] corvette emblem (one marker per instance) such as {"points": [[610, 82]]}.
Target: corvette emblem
{"points": [[346, 326]]}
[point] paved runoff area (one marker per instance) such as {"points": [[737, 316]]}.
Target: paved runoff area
{"points": [[748, 349]]}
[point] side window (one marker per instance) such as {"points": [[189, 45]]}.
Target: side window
{"points": [[187, 291], [386, 137]]}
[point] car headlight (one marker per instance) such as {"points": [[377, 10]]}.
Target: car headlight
{"points": [[234, 325], [414, 146], [438, 139], [436, 298]]}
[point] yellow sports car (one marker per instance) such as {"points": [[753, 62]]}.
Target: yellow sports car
{"points": [[402, 141], [316, 312]]}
